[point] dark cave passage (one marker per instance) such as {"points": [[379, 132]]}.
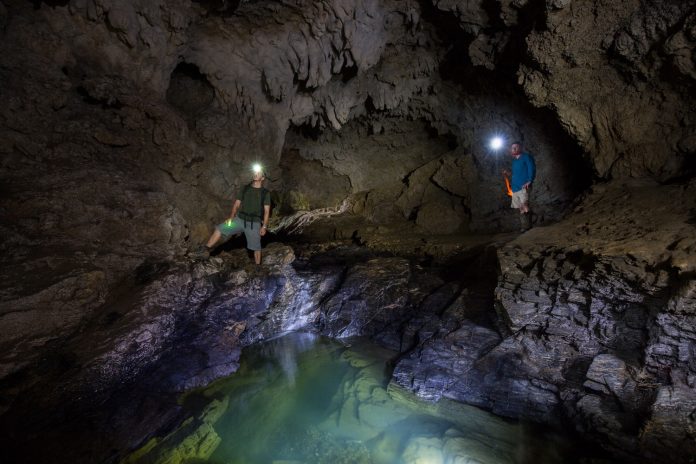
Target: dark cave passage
{"points": [[189, 91], [407, 174]]}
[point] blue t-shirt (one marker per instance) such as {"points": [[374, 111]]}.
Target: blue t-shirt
{"points": [[523, 171]]}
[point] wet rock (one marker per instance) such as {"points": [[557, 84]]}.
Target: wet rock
{"points": [[671, 422], [444, 356], [598, 332], [465, 450], [30, 321], [600, 305], [195, 439], [423, 449], [190, 322], [372, 296], [615, 403]]}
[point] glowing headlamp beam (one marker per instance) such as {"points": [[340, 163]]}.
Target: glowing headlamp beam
{"points": [[257, 168], [496, 143]]}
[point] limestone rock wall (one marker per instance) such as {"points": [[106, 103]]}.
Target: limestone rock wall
{"points": [[595, 327], [616, 74], [608, 325], [618, 82]]}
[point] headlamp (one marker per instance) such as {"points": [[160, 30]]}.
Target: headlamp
{"points": [[496, 143]]}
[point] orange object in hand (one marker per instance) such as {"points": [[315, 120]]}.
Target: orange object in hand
{"points": [[507, 185]]}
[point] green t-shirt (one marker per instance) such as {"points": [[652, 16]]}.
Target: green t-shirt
{"points": [[253, 200]]}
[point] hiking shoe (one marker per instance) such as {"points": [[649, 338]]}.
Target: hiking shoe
{"points": [[525, 222], [202, 252]]}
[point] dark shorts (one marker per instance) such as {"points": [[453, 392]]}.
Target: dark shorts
{"points": [[252, 232]]}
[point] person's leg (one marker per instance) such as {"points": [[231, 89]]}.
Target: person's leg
{"points": [[253, 239], [213, 239], [521, 201], [518, 203], [524, 201], [524, 216], [223, 231]]}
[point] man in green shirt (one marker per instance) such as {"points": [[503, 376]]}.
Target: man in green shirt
{"points": [[250, 213]]}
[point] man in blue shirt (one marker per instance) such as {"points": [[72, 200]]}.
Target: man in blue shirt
{"points": [[523, 173]]}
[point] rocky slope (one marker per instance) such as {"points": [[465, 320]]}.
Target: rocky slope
{"points": [[597, 327]]}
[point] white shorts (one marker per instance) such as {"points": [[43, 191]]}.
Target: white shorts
{"points": [[519, 198]]}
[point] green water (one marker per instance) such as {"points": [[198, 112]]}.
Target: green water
{"points": [[305, 399]]}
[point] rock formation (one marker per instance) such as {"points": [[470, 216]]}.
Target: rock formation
{"points": [[127, 128]]}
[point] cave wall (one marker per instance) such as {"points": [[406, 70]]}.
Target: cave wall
{"points": [[127, 127], [437, 171], [616, 74], [273, 65], [620, 86]]}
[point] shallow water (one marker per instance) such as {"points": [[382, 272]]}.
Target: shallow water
{"points": [[307, 399]]}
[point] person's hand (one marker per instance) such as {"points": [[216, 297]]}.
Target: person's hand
{"points": [[527, 185], [262, 231], [506, 172]]}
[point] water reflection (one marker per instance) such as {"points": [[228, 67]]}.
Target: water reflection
{"points": [[285, 351], [305, 399]]}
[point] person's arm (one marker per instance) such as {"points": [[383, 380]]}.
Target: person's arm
{"points": [[531, 171], [266, 214], [235, 208]]}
